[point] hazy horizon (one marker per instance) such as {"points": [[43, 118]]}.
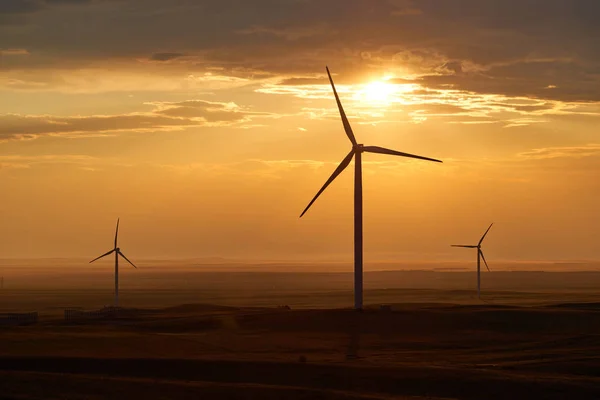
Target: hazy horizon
{"points": [[299, 265], [51, 289]]}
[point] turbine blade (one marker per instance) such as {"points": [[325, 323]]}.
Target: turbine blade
{"points": [[103, 255], [117, 233], [126, 259], [488, 229], [485, 262], [337, 171], [382, 150], [345, 121], [463, 245]]}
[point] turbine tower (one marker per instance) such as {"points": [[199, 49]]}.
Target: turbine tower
{"points": [[118, 253], [356, 151], [479, 257]]}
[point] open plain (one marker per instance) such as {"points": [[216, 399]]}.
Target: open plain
{"points": [[225, 334]]}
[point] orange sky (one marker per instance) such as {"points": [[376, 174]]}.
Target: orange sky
{"points": [[208, 126]]}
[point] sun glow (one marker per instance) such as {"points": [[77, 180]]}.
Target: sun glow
{"points": [[378, 91], [382, 92]]}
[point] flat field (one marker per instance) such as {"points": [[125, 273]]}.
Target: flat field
{"points": [[214, 334]]}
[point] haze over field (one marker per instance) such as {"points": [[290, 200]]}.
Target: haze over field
{"points": [[208, 126], [49, 286]]}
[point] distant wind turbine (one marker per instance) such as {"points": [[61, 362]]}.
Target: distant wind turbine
{"points": [[479, 257], [118, 253], [357, 150]]}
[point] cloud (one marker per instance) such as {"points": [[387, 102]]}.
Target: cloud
{"points": [[562, 152], [26, 162], [19, 6], [13, 52], [291, 33], [165, 117], [25, 126], [166, 56], [412, 101], [210, 111], [404, 8], [505, 47], [531, 78], [14, 11], [104, 78]]}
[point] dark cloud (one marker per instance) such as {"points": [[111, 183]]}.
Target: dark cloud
{"points": [[15, 11], [512, 47], [14, 126], [165, 116], [69, 1], [166, 56], [549, 79], [29, 6], [18, 6], [12, 11]]}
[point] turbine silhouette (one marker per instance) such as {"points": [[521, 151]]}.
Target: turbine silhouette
{"points": [[479, 257], [118, 253], [356, 151]]}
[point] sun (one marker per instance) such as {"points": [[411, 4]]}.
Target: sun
{"points": [[383, 92], [378, 92]]}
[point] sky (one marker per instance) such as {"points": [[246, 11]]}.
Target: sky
{"points": [[207, 127]]}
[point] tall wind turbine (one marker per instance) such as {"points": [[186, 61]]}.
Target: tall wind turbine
{"points": [[356, 151], [479, 257], [118, 253]]}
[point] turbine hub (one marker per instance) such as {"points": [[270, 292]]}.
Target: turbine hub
{"points": [[358, 147], [117, 249]]}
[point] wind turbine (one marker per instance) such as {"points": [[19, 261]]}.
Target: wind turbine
{"points": [[356, 151], [118, 253], [479, 257]]}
